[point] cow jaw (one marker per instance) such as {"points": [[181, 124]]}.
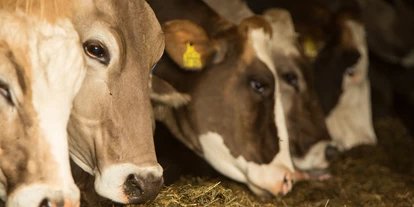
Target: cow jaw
{"points": [[350, 122], [262, 179], [315, 159]]}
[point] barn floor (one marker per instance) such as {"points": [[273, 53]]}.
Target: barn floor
{"points": [[365, 176]]}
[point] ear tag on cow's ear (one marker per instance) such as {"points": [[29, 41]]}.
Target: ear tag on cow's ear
{"points": [[191, 58], [309, 47]]}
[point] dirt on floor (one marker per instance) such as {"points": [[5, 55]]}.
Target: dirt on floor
{"points": [[381, 175]]}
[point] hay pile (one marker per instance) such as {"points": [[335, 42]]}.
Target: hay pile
{"points": [[365, 176]]}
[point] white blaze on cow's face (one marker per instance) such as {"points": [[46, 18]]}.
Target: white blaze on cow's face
{"points": [[350, 121], [110, 129], [41, 71], [310, 143]]}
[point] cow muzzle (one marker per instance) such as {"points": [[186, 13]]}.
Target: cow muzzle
{"points": [[129, 184], [43, 196]]}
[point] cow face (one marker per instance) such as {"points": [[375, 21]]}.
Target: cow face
{"points": [[110, 127], [310, 143], [41, 70], [342, 83], [235, 117]]}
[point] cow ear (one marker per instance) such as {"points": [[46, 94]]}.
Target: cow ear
{"points": [[189, 46], [163, 94]]}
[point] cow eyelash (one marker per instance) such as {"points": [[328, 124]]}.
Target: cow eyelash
{"points": [[5, 92]]}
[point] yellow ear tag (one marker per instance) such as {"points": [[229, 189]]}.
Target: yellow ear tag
{"points": [[309, 47], [191, 58]]}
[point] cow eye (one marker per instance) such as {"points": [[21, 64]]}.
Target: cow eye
{"points": [[257, 86], [291, 79], [97, 51], [5, 92], [350, 72]]}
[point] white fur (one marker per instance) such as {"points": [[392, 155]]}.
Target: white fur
{"points": [[284, 36], [53, 94], [110, 182], [32, 195], [350, 122], [315, 158]]}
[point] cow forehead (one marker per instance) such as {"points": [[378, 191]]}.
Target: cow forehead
{"points": [[260, 42]]}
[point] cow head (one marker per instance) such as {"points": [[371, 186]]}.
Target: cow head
{"points": [[309, 139], [310, 143], [235, 117], [110, 127], [41, 70], [341, 77]]}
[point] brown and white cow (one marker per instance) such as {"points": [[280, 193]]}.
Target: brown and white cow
{"points": [[110, 128], [334, 40], [41, 70], [310, 143], [342, 83], [235, 118]]}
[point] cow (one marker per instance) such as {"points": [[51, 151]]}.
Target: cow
{"points": [[337, 51], [41, 70], [342, 83], [310, 143], [226, 106], [110, 127]]}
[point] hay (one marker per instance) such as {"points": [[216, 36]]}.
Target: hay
{"points": [[365, 176]]}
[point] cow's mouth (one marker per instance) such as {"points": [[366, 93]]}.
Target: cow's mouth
{"points": [[313, 174]]}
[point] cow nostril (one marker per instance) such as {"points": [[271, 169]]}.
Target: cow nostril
{"points": [[46, 203], [133, 187], [331, 152], [141, 189]]}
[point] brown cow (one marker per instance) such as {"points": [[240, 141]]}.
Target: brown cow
{"points": [[110, 128], [41, 70], [235, 118]]}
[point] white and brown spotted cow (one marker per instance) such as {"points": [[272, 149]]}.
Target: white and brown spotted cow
{"points": [[41, 70], [235, 118], [342, 83], [310, 143], [110, 128], [334, 41]]}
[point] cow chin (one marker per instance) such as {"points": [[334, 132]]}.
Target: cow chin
{"points": [[127, 183], [273, 179], [350, 122], [314, 165], [43, 195]]}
